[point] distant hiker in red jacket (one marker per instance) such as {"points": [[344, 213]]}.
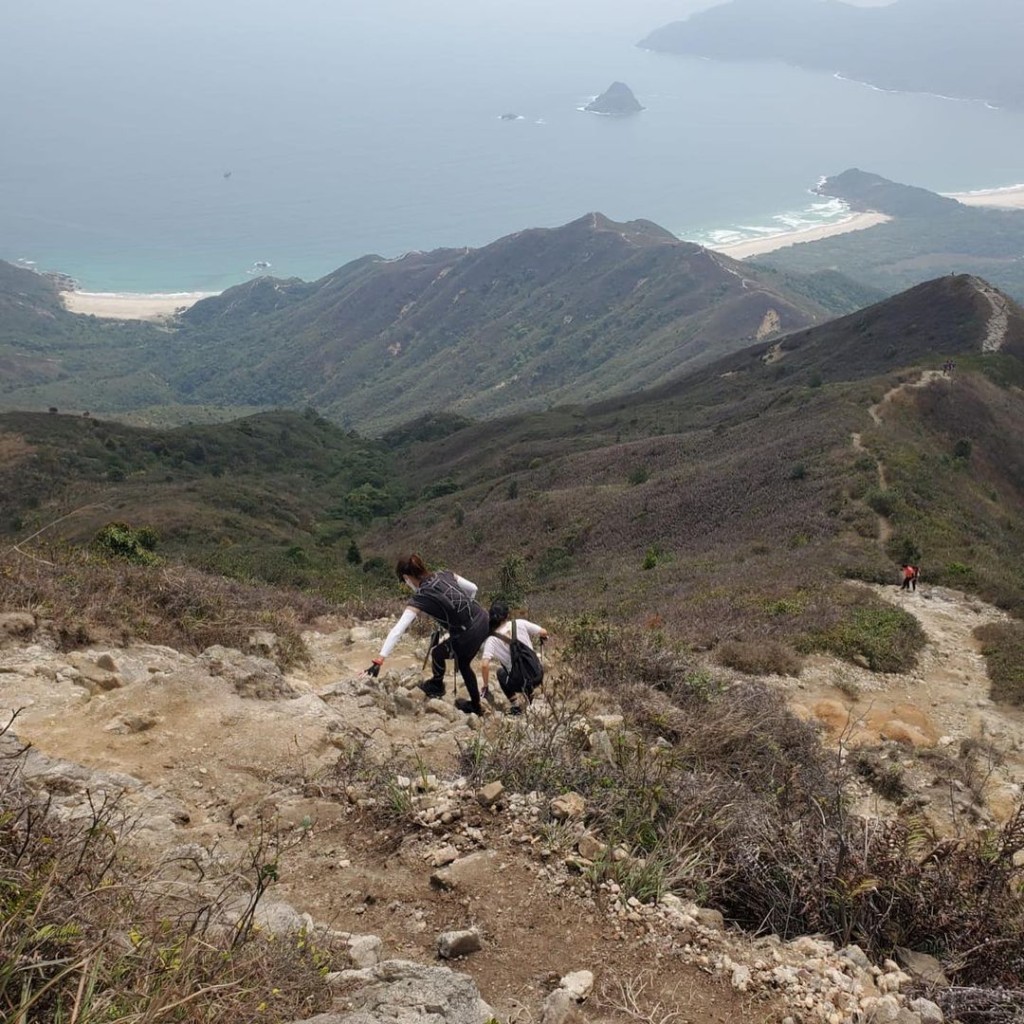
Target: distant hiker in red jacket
{"points": [[910, 574]]}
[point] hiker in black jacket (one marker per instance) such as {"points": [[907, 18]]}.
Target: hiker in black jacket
{"points": [[449, 600]]}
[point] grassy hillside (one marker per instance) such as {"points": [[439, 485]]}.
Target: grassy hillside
{"points": [[732, 504], [536, 318], [929, 235], [276, 497], [539, 317]]}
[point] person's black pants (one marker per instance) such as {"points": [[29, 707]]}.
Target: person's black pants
{"points": [[511, 687], [463, 647]]}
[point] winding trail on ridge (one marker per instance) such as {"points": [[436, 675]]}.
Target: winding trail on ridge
{"points": [[885, 530], [999, 321]]}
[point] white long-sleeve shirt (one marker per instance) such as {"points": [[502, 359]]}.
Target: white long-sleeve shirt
{"points": [[409, 616]]}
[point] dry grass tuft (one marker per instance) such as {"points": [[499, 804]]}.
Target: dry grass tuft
{"points": [[86, 598], [86, 937], [767, 658]]}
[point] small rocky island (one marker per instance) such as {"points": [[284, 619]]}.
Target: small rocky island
{"points": [[617, 99]]}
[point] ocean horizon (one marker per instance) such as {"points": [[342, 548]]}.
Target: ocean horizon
{"points": [[292, 145]]}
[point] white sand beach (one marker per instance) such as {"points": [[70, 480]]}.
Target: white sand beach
{"points": [[131, 305], [760, 246], [1009, 198]]}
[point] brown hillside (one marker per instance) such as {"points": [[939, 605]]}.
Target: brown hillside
{"points": [[742, 479]]}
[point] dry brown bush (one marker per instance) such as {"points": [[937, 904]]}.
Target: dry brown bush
{"points": [[746, 810], [87, 598], [86, 936], [767, 658]]}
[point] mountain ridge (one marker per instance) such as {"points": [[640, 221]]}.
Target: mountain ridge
{"points": [[543, 316]]}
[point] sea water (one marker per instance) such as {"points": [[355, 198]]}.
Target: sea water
{"points": [[179, 146]]}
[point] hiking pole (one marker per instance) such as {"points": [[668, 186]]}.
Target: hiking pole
{"points": [[435, 640]]}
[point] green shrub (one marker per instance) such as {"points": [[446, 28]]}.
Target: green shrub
{"points": [[353, 555], [513, 580], [882, 502], [119, 540], [888, 639], [1002, 644]]}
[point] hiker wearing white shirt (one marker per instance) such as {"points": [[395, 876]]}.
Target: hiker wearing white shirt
{"points": [[498, 648]]}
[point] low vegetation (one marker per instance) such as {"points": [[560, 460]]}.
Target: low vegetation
{"points": [[883, 638], [86, 937], [759, 659], [276, 498], [88, 597], [719, 792], [1002, 644]]}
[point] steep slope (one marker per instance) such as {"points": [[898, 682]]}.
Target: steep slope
{"points": [[741, 478], [541, 316], [928, 235], [906, 45]]}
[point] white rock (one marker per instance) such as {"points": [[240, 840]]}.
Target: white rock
{"points": [[928, 1011], [740, 980], [579, 984]]}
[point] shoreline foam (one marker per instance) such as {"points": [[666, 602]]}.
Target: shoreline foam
{"points": [[131, 305], [761, 246]]}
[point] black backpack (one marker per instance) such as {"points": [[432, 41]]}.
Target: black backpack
{"points": [[526, 673]]}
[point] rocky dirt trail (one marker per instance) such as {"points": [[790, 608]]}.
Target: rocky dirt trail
{"points": [[999, 321], [940, 706], [212, 749]]}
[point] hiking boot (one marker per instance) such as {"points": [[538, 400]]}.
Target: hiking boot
{"points": [[467, 707], [432, 687]]}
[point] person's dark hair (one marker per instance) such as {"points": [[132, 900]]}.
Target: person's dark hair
{"points": [[411, 566], [498, 614]]}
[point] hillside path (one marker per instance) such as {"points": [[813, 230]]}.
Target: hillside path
{"points": [[941, 703], [885, 529], [999, 321]]}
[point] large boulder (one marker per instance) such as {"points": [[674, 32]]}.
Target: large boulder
{"points": [[402, 992], [254, 677]]}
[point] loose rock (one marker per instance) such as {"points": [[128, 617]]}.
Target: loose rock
{"points": [[460, 943]]}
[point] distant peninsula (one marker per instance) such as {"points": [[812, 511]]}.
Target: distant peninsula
{"points": [[617, 99], [967, 49]]}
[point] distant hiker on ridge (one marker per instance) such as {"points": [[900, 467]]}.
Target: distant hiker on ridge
{"points": [[449, 600], [910, 574], [517, 673]]}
